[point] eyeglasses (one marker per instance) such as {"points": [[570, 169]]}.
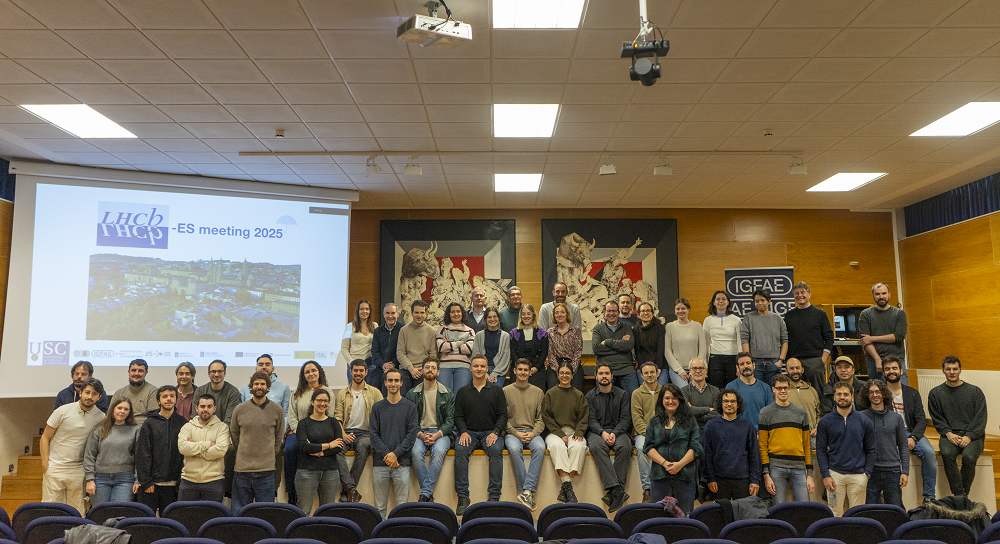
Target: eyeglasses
{"points": [[729, 401], [874, 393], [645, 311], [783, 388]]}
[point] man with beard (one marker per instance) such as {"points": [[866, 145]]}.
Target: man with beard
{"points": [[559, 293], [732, 454], [203, 442], [892, 459], [258, 430], [810, 337], [803, 395], [906, 402], [63, 443], [958, 410], [158, 461], [612, 344], [385, 344], [610, 424], [643, 404], [843, 369], [626, 301], [354, 411], [882, 329], [845, 450], [139, 392], [227, 398], [416, 342], [755, 393], [81, 372], [393, 428], [784, 446], [436, 411]]}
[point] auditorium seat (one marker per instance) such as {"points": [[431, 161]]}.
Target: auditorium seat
{"points": [[503, 509], [194, 514], [187, 540], [758, 531], [800, 514], [278, 514], [557, 511], [395, 541], [856, 530], [364, 515], [889, 515], [7, 533], [47, 528], [712, 516], [587, 527], [949, 531], [430, 510], [674, 529], [804, 540], [26, 513], [326, 529], [234, 530], [431, 530], [496, 541], [107, 510], [4, 518], [510, 528], [991, 534], [152, 529], [289, 541], [631, 515]]}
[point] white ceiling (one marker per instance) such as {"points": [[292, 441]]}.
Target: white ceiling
{"points": [[199, 81]]}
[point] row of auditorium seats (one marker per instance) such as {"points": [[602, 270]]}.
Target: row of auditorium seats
{"points": [[351, 523]]}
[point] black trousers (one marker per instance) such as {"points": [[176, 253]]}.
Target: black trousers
{"points": [[161, 496], [721, 370], [732, 489]]}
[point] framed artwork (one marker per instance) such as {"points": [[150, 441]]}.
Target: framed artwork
{"points": [[600, 259], [441, 261]]}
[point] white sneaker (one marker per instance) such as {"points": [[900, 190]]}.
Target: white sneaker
{"points": [[526, 498]]}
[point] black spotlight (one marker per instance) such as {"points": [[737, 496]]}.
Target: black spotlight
{"points": [[643, 69]]}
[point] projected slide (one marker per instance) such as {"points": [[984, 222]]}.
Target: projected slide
{"points": [[119, 274]]}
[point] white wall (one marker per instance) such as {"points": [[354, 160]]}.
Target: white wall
{"points": [[987, 380], [20, 420]]}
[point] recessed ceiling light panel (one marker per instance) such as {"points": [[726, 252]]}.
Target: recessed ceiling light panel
{"points": [[524, 120], [537, 13], [516, 183], [970, 118], [80, 120], [845, 181]]}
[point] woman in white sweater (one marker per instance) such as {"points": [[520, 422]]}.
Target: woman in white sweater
{"points": [[685, 340], [357, 341], [722, 331]]}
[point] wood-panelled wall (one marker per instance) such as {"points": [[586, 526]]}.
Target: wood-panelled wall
{"points": [[6, 230], [820, 244], [950, 278]]}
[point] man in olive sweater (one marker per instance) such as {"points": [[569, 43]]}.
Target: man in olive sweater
{"points": [[416, 341], [258, 431], [958, 410], [612, 343]]}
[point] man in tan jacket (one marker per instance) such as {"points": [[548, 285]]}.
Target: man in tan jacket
{"points": [[203, 442], [353, 411]]}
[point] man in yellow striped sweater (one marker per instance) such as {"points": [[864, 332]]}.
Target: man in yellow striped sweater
{"points": [[783, 432]]}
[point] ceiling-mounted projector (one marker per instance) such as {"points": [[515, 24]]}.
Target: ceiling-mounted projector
{"points": [[434, 32]]}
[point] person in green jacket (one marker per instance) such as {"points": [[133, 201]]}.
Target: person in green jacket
{"points": [[672, 444], [436, 420]]}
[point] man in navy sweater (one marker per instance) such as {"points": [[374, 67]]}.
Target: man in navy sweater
{"points": [[393, 427], [846, 450], [732, 452]]}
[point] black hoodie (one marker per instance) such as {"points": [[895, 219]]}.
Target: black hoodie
{"points": [[157, 458]]}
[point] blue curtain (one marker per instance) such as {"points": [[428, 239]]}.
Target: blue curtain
{"points": [[972, 200], [6, 182]]}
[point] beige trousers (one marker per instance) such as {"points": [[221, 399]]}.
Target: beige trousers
{"points": [[566, 458], [64, 486], [852, 487]]}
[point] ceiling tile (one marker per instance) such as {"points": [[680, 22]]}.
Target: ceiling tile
{"points": [[281, 44], [648, 129], [787, 42], [774, 129], [188, 145], [254, 14], [370, 14], [373, 93], [174, 94], [91, 158], [882, 92], [293, 131], [188, 14], [217, 130], [974, 13], [36, 44], [722, 112], [112, 44], [146, 71], [143, 158], [317, 169], [75, 14], [363, 44], [825, 129], [197, 44], [815, 93], [376, 70], [462, 130], [35, 130], [572, 113], [732, 93], [786, 112], [977, 69], [222, 71], [528, 93], [796, 14], [916, 69], [157, 130], [400, 130], [14, 17], [299, 71], [838, 69], [522, 70], [552, 43], [664, 93], [349, 144], [328, 113], [454, 70], [600, 94], [871, 42], [456, 93], [407, 144], [584, 130], [696, 43], [692, 144], [103, 93], [245, 93], [35, 94], [271, 113], [953, 42], [194, 113], [761, 70], [286, 144], [705, 130], [852, 112], [234, 145], [461, 113], [954, 92], [903, 13], [66, 145], [315, 93], [721, 14], [69, 71], [675, 112], [15, 73], [685, 70], [340, 130]]}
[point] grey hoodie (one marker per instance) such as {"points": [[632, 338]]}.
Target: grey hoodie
{"points": [[892, 451]]}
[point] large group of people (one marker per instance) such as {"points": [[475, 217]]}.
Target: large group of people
{"points": [[724, 409]]}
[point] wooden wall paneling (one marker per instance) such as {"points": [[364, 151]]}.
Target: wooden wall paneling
{"points": [[699, 295], [965, 294], [995, 237], [705, 225], [919, 303], [707, 261], [839, 293], [811, 226], [975, 342], [964, 246], [830, 262], [6, 228]]}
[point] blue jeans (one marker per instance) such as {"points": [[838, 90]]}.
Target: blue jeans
{"points": [[785, 478], [455, 378], [667, 375], [525, 478], [764, 369], [928, 465], [872, 373], [495, 454], [291, 462], [427, 476], [113, 487], [252, 486], [400, 477], [643, 461], [883, 488], [309, 482], [629, 382], [500, 379], [682, 490]]}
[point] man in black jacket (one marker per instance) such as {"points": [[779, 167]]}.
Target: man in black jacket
{"points": [[158, 462], [610, 423], [843, 372], [906, 402]]}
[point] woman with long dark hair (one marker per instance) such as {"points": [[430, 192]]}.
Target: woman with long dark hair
{"points": [[320, 439], [357, 340], [495, 345], [672, 444], [649, 336], [722, 332], [109, 460], [312, 378], [528, 341], [454, 345]]}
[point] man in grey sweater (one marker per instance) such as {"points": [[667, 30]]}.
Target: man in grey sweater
{"points": [[892, 452], [393, 428], [258, 430], [612, 343], [883, 330], [764, 336]]}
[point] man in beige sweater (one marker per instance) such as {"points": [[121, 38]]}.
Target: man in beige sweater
{"points": [[203, 441], [643, 409], [524, 431], [416, 341]]}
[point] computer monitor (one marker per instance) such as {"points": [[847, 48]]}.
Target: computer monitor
{"points": [[838, 324], [845, 319]]}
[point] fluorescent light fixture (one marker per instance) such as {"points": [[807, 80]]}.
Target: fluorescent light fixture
{"points": [[608, 170], [80, 120], [516, 183], [663, 170], [413, 170], [537, 13], [845, 182], [524, 120], [972, 117]]}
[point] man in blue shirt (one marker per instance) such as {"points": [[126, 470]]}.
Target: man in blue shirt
{"points": [[845, 450], [755, 393], [279, 394], [81, 372]]}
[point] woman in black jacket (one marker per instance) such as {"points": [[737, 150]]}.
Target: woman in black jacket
{"points": [[530, 342]]}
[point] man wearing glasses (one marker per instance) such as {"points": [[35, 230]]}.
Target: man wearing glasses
{"points": [[892, 458], [700, 394], [784, 446], [732, 457]]}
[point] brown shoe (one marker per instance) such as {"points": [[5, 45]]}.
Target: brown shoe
{"points": [[645, 495]]}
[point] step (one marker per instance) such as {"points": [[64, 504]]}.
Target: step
{"points": [[10, 505], [36, 448], [14, 487], [29, 466]]}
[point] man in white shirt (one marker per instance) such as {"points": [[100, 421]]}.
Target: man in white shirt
{"points": [[353, 410], [63, 444], [559, 294]]}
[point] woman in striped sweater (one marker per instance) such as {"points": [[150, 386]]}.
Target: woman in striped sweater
{"points": [[454, 345]]}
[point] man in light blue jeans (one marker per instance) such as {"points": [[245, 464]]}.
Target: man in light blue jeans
{"points": [[524, 431], [436, 420]]}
